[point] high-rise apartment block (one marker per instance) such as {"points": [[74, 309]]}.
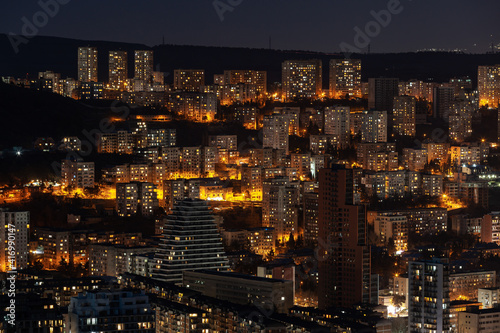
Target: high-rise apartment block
{"points": [[443, 102], [301, 79], [345, 78], [280, 202], [276, 132], [428, 293], [337, 123], [14, 240], [489, 85], [404, 112], [118, 69], [87, 64], [374, 126], [344, 272], [382, 92], [143, 66]]}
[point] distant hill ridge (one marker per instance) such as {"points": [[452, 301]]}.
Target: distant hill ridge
{"points": [[60, 55]]}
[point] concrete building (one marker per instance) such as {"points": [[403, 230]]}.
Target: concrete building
{"points": [[301, 79], [250, 77], [392, 228], [432, 185], [136, 197], [14, 240], [118, 69], [381, 93], [189, 79], [110, 311], [404, 113], [344, 274], [465, 285], [337, 123], [276, 132], [474, 320], [345, 78], [280, 201], [374, 127], [443, 102], [489, 85], [488, 297], [56, 245], [428, 308], [195, 106], [144, 66], [242, 289], [87, 64], [77, 174], [490, 228]]}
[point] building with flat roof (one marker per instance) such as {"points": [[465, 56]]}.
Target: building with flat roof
{"points": [[242, 289]]}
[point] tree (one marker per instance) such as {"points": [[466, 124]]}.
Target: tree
{"points": [[38, 265], [291, 242], [398, 300]]}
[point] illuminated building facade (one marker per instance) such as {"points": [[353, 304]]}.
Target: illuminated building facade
{"points": [[189, 79], [276, 132], [118, 69], [280, 201], [87, 64], [143, 66], [136, 197], [429, 299], [404, 112], [250, 77], [14, 227], [345, 78], [194, 106], [392, 228], [301, 79], [337, 123], [374, 126], [77, 174], [110, 311], [489, 85]]}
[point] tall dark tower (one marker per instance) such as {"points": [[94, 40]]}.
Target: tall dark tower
{"points": [[344, 265]]}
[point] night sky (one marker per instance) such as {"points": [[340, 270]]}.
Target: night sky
{"points": [[293, 24]]}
